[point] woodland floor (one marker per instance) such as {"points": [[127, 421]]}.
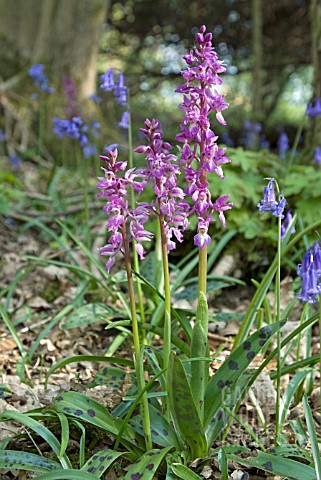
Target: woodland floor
{"points": [[47, 290]]}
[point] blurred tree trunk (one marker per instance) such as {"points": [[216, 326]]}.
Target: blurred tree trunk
{"points": [[62, 34], [314, 134], [256, 63]]}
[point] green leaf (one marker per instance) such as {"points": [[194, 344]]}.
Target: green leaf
{"points": [[230, 398], [86, 409], [162, 431], [15, 460], [289, 450], [89, 314], [101, 461], [147, 466], [236, 364], [222, 462], [68, 474], [40, 430], [183, 472], [184, 410], [289, 393], [278, 466], [87, 358], [313, 436]]}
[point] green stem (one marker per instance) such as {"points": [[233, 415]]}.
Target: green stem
{"points": [[167, 294], [320, 341], [278, 318], [132, 204], [138, 361], [85, 173], [42, 123], [202, 270]]}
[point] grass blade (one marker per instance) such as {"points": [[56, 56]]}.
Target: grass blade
{"points": [[313, 436]]}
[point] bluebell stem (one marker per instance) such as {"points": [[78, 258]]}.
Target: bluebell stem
{"points": [[283, 144], [269, 203], [310, 272]]}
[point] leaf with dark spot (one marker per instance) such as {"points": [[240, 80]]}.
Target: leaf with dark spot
{"points": [[232, 369], [147, 465]]}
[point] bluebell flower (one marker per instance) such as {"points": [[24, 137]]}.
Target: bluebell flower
{"points": [[108, 81], [40, 79], [3, 137], [317, 155], [90, 150], [283, 144], [95, 98], [124, 122], [286, 224], [74, 128], [111, 147], [269, 202], [15, 160], [310, 271], [314, 110]]}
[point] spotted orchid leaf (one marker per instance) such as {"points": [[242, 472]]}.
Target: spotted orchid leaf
{"points": [[230, 399], [162, 432], [277, 465], [231, 370], [101, 461], [15, 460], [84, 408], [147, 466], [40, 430], [184, 410]]}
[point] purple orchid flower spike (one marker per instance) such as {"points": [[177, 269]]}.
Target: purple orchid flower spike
{"points": [[200, 98]]}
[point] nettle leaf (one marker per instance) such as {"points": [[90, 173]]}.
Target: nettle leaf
{"points": [[15, 460], [233, 367], [86, 409], [101, 461], [277, 465], [89, 314], [184, 410], [147, 466]]}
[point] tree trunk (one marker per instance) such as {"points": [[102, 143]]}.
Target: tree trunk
{"points": [[61, 34], [256, 63], [314, 134]]}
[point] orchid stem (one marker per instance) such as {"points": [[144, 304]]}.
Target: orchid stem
{"points": [[137, 360], [132, 204], [167, 319]]}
